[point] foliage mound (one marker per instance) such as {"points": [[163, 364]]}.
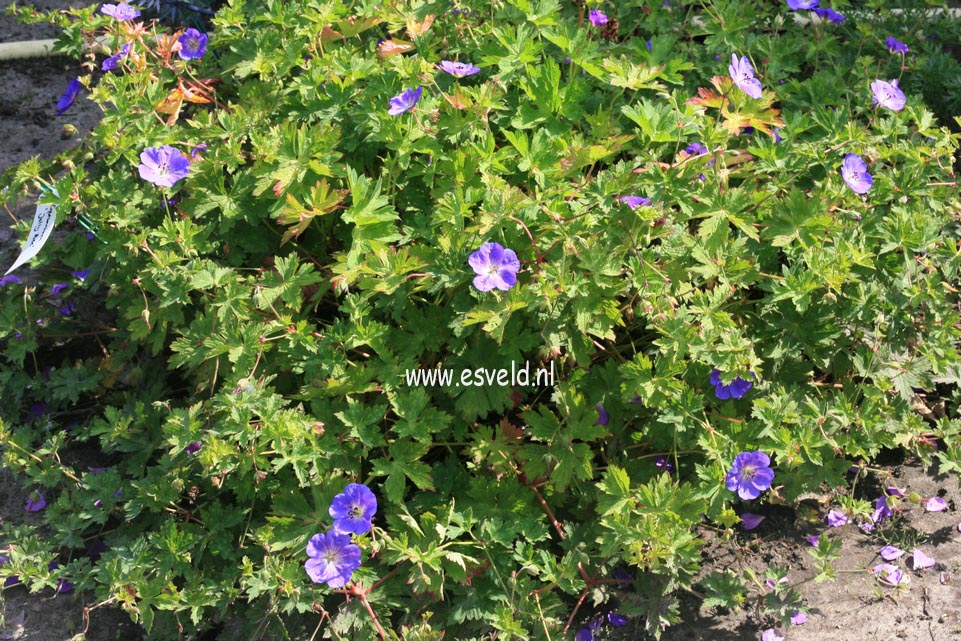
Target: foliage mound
{"points": [[695, 271]]}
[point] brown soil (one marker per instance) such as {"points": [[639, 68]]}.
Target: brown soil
{"points": [[855, 607]]}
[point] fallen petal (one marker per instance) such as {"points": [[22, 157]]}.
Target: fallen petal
{"points": [[920, 560], [936, 504], [889, 552], [889, 575]]}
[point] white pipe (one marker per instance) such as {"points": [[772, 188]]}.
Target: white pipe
{"points": [[26, 49]]}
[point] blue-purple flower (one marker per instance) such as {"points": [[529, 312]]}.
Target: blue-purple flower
{"points": [[13, 579], [750, 520], [742, 73], [799, 618], [881, 509], [35, 502], [830, 15], [602, 416], [193, 448], [735, 389], [121, 11], [111, 63], [895, 45], [802, 5], [458, 69], [635, 201], [10, 279], [616, 619], [750, 474], [56, 288], [495, 266], [193, 44], [69, 96], [587, 634], [888, 95], [163, 166], [332, 559], [404, 101], [81, 274], [353, 509], [854, 171], [836, 518], [695, 149], [597, 18]]}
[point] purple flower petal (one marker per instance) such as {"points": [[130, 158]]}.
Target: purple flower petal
{"points": [[69, 96], [772, 634], [837, 519], [635, 201], [458, 69], [896, 46], [750, 520], [10, 279], [799, 618], [193, 44], [888, 95], [333, 559], [602, 416], [404, 101], [35, 502], [890, 553], [920, 560], [121, 11], [597, 18], [353, 509], [163, 166], [750, 474], [111, 63], [495, 266], [616, 619], [854, 171], [813, 540], [936, 504], [890, 576], [742, 73]]}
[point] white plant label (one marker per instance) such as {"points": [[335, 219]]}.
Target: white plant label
{"points": [[43, 223]]}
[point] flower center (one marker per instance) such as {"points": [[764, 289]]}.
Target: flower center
{"points": [[356, 512], [332, 556], [193, 44], [748, 472]]}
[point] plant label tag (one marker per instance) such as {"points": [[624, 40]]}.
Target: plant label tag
{"points": [[43, 223]]}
